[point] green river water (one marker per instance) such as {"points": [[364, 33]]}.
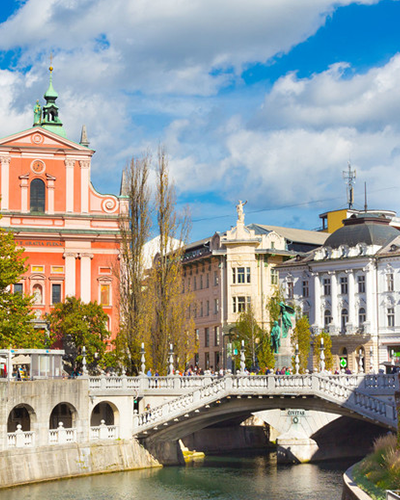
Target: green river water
{"points": [[245, 476]]}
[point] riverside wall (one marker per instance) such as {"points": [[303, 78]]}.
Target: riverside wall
{"points": [[30, 465]]}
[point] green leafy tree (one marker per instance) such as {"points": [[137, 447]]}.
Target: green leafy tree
{"points": [[16, 328], [302, 337], [327, 350], [78, 324], [256, 340]]}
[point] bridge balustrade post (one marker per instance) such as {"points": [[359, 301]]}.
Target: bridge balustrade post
{"points": [[314, 383], [177, 382], [124, 381], [196, 396], [143, 383], [19, 437], [103, 433], [62, 433], [271, 382], [228, 382], [135, 422], [102, 381]]}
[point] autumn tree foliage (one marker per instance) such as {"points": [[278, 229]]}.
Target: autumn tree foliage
{"points": [[16, 327], [302, 337], [78, 324]]}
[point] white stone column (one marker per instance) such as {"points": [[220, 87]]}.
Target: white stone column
{"points": [[85, 179], [24, 192], [69, 180], [70, 273], [334, 300], [86, 276], [50, 194], [5, 181], [370, 299], [353, 317], [317, 301]]}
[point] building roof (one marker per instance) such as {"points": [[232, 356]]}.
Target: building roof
{"points": [[366, 228], [297, 235]]}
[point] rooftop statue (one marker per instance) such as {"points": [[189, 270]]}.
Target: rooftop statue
{"points": [[240, 212], [37, 114]]}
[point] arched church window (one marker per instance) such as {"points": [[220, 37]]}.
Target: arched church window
{"points": [[37, 196]]}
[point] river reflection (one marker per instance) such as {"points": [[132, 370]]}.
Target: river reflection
{"points": [[233, 477]]}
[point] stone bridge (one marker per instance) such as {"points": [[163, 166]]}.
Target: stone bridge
{"points": [[55, 411]]}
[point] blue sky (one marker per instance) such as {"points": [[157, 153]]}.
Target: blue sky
{"points": [[263, 100]]}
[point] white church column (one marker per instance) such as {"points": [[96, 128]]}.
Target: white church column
{"points": [[5, 181], [86, 276], [69, 185], [317, 301], [353, 316], [70, 273], [50, 194], [334, 300], [85, 180], [24, 192]]}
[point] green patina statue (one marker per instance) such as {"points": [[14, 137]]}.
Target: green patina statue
{"points": [[37, 114], [276, 337], [286, 312]]}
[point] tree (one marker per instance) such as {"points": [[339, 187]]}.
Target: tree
{"points": [[327, 350], [302, 336], [257, 342], [171, 322], [135, 303], [78, 324], [16, 327]]}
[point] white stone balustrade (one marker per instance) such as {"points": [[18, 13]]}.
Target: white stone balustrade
{"points": [[20, 438], [104, 431], [62, 435]]}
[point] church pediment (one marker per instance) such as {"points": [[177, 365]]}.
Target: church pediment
{"points": [[38, 137]]}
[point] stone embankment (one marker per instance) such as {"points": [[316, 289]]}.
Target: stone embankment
{"points": [[20, 466], [350, 489]]}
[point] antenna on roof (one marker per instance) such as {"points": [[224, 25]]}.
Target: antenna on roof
{"points": [[350, 177], [365, 197]]}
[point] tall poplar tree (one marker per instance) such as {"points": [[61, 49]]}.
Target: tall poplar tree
{"points": [[135, 301]]}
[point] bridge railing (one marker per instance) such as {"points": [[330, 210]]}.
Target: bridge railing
{"points": [[342, 390], [20, 438], [103, 431], [62, 435]]}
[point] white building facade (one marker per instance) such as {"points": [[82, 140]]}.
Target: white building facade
{"points": [[350, 287]]}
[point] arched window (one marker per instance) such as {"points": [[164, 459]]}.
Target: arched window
{"points": [[344, 319], [361, 316], [37, 196], [327, 318]]}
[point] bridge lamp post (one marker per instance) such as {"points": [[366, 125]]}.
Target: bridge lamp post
{"points": [[142, 360], [242, 359], [297, 359], [171, 360], [322, 356]]}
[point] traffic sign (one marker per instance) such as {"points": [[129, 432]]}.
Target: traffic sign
{"points": [[343, 362]]}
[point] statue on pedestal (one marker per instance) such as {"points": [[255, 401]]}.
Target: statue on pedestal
{"points": [[239, 209], [276, 337]]}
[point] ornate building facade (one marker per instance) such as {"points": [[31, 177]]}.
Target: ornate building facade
{"points": [[230, 271], [68, 230], [350, 288]]}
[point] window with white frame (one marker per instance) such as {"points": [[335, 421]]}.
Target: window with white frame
{"points": [[216, 306], [344, 319], [241, 275], [390, 316], [327, 318], [18, 288], [306, 290], [361, 317], [390, 282], [361, 284], [240, 304], [274, 276], [290, 290], [343, 285], [55, 293], [327, 286]]}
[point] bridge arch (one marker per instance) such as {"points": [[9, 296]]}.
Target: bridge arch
{"points": [[63, 412], [22, 414], [107, 411]]}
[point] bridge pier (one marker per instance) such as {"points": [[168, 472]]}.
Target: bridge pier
{"points": [[165, 452], [295, 447]]}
